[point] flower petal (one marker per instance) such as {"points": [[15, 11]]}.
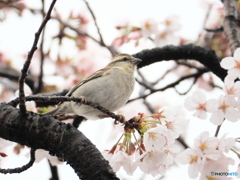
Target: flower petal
{"points": [[228, 63], [236, 54]]}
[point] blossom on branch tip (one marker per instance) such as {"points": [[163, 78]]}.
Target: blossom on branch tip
{"points": [[223, 107], [155, 149]]}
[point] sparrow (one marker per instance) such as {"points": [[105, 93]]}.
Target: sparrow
{"points": [[110, 87]]}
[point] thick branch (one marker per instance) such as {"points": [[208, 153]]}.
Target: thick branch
{"points": [[44, 132], [205, 56]]}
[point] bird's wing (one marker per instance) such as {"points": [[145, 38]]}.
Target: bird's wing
{"points": [[95, 75]]}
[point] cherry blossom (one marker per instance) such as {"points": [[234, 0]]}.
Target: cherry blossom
{"points": [[155, 138], [215, 15], [225, 144], [198, 103], [207, 145], [175, 123], [155, 150], [221, 165], [232, 64], [191, 157], [121, 158], [207, 156], [152, 162], [149, 27], [221, 108], [231, 87], [172, 24], [166, 38]]}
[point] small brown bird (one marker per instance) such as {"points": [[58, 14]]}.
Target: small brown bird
{"points": [[110, 87]]}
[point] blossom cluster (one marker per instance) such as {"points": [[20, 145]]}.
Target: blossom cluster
{"points": [[227, 106], [208, 155], [155, 149], [161, 33]]}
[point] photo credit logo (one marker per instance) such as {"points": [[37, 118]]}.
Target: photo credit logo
{"points": [[224, 173]]}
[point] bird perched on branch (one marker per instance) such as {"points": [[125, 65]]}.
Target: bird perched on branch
{"points": [[110, 87]]}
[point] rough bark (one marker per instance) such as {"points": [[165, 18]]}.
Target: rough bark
{"points": [[60, 139]]}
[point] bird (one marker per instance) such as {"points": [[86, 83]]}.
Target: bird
{"points": [[110, 87]]}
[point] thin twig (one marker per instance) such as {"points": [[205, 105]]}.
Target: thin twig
{"points": [[27, 63], [145, 84], [171, 84], [217, 130], [40, 81], [187, 91], [111, 49], [164, 75], [23, 168], [95, 22]]}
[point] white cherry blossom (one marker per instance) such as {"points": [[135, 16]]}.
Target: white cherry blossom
{"points": [[230, 87], [149, 27], [155, 138], [192, 158], [232, 64], [223, 107], [198, 103]]}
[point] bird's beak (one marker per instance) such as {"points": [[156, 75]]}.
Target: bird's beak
{"points": [[136, 61]]}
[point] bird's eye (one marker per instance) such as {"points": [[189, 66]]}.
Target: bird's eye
{"points": [[125, 59]]}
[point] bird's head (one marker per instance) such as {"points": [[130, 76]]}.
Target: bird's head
{"points": [[125, 62]]}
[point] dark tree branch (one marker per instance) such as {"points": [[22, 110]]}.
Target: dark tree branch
{"points": [[44, 132], [12, 75], [27, 63], [220, 29], [207, 57], [230, 25], [171, 85], [23, 168]]}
